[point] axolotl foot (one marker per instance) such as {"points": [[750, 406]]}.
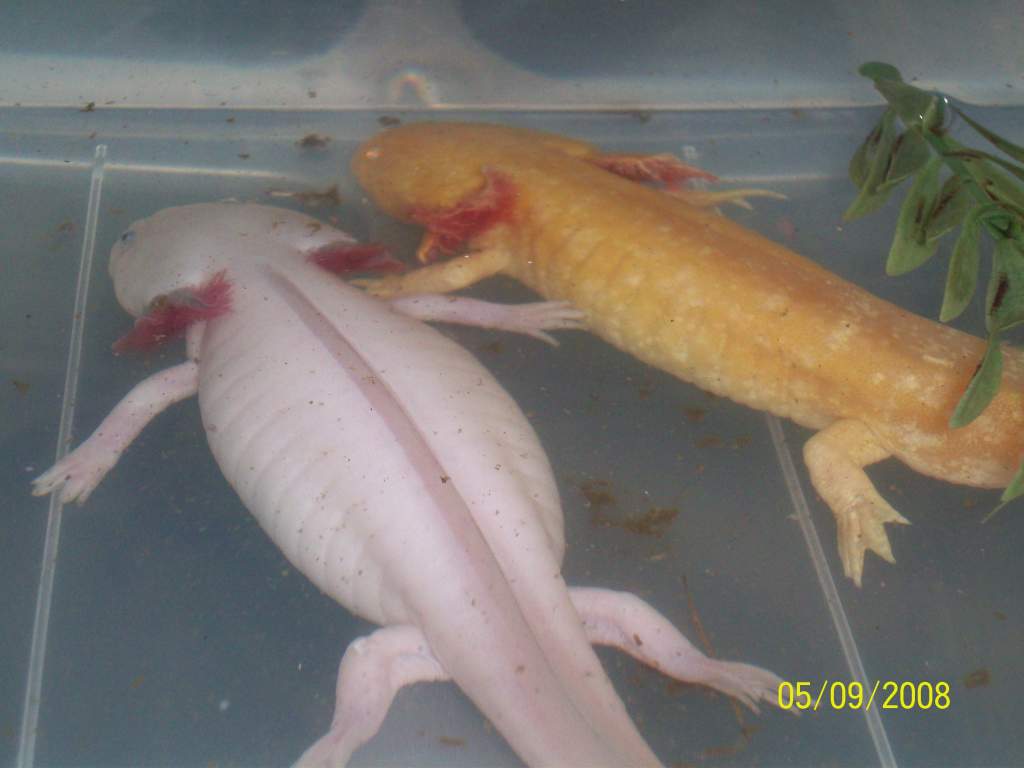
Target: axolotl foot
{"points": [[836, 458], [77, 474], [860, 526]]}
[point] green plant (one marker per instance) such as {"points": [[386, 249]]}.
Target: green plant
{"points": [[980, 194]]}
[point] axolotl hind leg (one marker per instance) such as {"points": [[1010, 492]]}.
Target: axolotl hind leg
{"points": [[372, 671], [376, 667], [836, 458], [624, 621]]}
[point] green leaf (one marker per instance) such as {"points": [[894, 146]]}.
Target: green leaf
{"points": [[950, 208], [878, 148], [983, 387], [910, 152], [858, 168], [995, 184], [977, 154], [879, 70], [962, 278], [867, 201], [1005, 300], [861, 160], [998, 219], [1014, 490], [1014, 151], [911, 247], [912, 104], [935, 115]]}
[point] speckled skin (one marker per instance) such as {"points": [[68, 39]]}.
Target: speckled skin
{"points": [[693, 293], [396, 474]]}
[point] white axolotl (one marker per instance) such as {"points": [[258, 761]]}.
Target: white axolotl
{"points": [[394, 472]]}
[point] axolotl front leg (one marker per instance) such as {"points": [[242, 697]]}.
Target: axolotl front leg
{"points": [[441, 277], [78, 473], [532, 319], [376, 667]]}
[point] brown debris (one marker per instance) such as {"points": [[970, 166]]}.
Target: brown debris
{"points": [[979, 678], [313, 141]]}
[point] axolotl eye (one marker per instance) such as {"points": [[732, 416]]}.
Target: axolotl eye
{"points": [[128, 236]]}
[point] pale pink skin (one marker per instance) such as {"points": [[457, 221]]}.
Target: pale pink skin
{"points": [[400, 478]]}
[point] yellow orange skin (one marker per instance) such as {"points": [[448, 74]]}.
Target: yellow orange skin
{"points": [[691, 292]]}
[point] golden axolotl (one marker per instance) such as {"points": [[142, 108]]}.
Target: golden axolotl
{"points": [[685, 289]]}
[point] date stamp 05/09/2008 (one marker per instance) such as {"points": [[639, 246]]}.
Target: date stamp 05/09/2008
{"points": [[887, 694]]}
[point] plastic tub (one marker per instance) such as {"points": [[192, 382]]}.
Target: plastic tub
{"points": [[157, 625]]}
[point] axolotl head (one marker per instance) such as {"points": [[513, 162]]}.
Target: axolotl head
{"points": [[176, 267], [182, 249]]}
